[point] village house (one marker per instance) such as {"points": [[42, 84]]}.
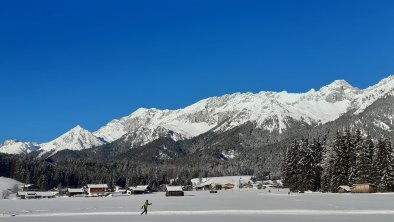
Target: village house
{"points": [[96, 189], [174, 191], [71, 192], [344, 189], [35, 194], [364, 188]]}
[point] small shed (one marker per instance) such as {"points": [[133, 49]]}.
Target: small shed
{"points": [[364, 188], [96, 189], [74, 192], [174, 191], [344, 189]]}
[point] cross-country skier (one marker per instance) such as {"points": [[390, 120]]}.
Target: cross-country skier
{"points": [[145, 206]]}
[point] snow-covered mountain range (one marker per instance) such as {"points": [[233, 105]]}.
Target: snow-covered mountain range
{"points": [[17, 147], [75, 139], [272, 111]]}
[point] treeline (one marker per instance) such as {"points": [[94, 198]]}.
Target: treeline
{"points": [[349, 158], [78, 173]]}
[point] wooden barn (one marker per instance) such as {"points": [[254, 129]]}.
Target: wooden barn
{"points": [[96, 189], [174, 191], [75, 192], [364, 188], [344, 189]]}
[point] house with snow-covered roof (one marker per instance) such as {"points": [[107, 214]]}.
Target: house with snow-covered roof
{"points": [[141, 189], [71, 192], [96, 189], [174, 191], [35, 194]]}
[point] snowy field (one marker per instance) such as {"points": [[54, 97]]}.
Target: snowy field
{"points": [[229, 206]]}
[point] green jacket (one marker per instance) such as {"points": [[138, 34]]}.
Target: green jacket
{"points": [[146, 204]]}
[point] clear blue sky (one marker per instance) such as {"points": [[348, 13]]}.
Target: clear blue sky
{"points": [[64, 63]]}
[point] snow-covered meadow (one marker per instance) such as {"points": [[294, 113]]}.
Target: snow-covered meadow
{"points": [[235, 205]]}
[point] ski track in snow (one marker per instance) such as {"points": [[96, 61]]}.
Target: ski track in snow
{"points": [[220, 212]]}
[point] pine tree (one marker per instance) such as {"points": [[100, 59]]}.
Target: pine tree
{"points": [[364, 159], [355, 147], [306, 164], [291, 167], [384, 166], [341, 162], [317, 156]]}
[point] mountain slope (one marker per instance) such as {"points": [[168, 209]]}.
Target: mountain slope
{"points": [[273, 112], [75, 139], [269, 110], [245, 145], [17, 147]]}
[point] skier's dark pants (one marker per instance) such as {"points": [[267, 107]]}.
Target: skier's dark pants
{"points": [[145, 211]]}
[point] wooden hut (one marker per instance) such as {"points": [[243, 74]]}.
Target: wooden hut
{"points": [[174, 191], [364, 188], [75, 192], [344, 189], [96, 189]]}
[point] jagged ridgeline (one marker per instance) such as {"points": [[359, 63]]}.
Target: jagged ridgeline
{"points": [[235, 134]]}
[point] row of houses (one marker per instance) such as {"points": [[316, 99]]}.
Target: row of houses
{"points": [[93, 190], [35, 194], [229, 186], [102, 190]]}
